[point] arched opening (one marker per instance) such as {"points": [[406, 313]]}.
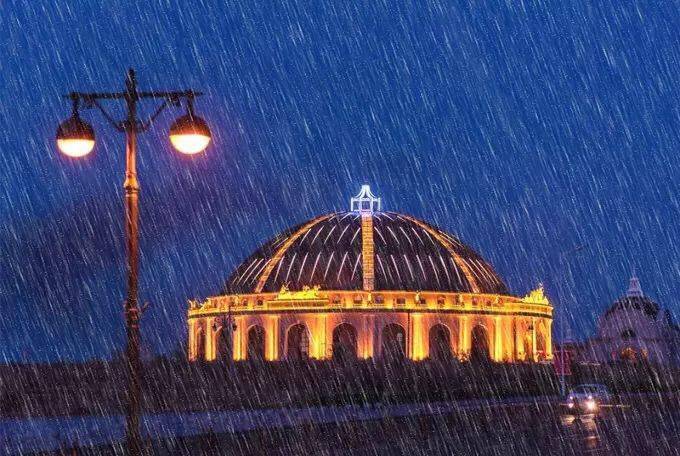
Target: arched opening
{"points": [[200, 345], [479, 350], [393, 342], [255, 345], [440, 342], [344, 343], [223, 344], [298, 343], [541, 350]]}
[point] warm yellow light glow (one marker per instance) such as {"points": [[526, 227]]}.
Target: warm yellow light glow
{"points": [[367, 337], [238, 338], [317, 344], [548, 341], [190, 144], [75, 148], [464, 336], [418, 343], [498, 342], [319, 311], [75, 137], [271, 337]]}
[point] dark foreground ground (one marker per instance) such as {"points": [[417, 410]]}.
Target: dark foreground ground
{"points": [[639, 425], [173, 385]]}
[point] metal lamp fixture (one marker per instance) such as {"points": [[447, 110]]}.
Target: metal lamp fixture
{"points": [[190, 134], [75, 137]]}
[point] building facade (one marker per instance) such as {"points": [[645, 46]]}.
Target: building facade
{"points": [[634, 328], [368, 284]]}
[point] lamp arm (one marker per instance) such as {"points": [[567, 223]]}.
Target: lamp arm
{"points": [[117, 125], [146, 124]]}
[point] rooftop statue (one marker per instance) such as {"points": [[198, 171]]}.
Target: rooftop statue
{"points": [[305, 293], [536, 296]]}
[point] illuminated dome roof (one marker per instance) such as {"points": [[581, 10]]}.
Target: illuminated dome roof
{"points": [[365, 249]]}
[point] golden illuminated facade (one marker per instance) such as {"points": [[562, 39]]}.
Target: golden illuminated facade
{"points": [[368, 284]]}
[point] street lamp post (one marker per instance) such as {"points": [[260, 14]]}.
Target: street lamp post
{"points": [[75, 138]]}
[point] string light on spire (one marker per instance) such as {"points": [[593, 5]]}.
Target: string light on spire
{"points": [[365, 201], [634, 288]]}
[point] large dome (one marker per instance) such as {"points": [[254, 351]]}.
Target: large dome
{"points": [[335, 251], [368, 284]]}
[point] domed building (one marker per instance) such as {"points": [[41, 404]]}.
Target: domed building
{"points": [[368, 284], [634, 328]]}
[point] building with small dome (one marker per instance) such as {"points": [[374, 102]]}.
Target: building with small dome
{"points": [[634, 328], [363, 284]]}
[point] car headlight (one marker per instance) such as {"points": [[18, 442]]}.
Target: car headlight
{"points": [[570, 405], [591, 405]]}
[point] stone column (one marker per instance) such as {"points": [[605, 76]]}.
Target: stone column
{"points": [[319, 339], [464, 337], [498, 336], [191, 349], [515, 351], [548, 340], [418, 344], [210, 334], [534, 355], [377, 324], [272, 338], [367, 337], [237, 338]]}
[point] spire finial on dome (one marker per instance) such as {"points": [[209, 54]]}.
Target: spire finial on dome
{"points": [[365, 201], [568, 334], [634, 289]]}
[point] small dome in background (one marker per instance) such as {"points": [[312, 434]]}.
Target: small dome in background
{"points": [[634, 300]]}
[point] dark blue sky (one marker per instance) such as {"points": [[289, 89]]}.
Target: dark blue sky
{"points": [[524, 128]]}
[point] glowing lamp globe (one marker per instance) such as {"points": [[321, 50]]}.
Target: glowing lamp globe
{"points": [[75, 137], [190, 134]]}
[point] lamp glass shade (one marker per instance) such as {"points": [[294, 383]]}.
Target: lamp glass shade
{"points": [[75, 137], [190, 134]]}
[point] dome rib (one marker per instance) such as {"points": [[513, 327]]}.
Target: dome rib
{"points": [[457, 258], [282, 250]]}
